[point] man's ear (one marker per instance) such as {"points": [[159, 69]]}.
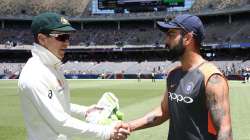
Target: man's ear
{"points": [[187, 39], [41, 39]]}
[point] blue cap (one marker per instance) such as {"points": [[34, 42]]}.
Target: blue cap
{"points": [[189, 23]]}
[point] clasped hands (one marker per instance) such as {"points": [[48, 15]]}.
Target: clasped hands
{"points": [[120, 132]]}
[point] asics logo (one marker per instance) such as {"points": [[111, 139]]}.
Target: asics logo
{"points": [[179, 98]]}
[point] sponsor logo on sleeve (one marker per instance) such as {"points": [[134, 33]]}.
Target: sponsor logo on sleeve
{"points": [[50, 94]]}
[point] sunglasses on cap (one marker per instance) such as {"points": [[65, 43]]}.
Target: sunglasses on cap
{"points": [[60, 37]]}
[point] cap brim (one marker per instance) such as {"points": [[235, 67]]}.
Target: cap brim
{"points": [[66, 29], [164, 27]]}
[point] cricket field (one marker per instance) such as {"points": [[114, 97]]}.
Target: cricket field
{"points": [[136, 99]]}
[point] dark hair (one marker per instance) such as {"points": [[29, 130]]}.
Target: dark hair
{"points": [[36, 38]]}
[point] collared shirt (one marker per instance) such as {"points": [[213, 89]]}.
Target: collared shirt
{"points": [[45, 101]]}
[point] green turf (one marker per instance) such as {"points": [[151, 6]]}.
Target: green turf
{"points": [[136, 99]]}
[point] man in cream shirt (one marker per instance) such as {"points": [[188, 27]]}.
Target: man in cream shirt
{"points": [[44, 92]]}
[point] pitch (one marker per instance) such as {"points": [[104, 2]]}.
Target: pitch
{"points": [[136, 99]]}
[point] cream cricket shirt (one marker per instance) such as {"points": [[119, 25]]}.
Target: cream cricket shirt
{"points": [[45, 101]]}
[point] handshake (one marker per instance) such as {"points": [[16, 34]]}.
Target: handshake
{"points": [[120, 131], [106, 112]]}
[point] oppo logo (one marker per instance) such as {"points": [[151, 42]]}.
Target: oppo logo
{"points": [[179, 98]]}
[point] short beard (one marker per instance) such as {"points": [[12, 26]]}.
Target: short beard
{"points": [[177, 51]]}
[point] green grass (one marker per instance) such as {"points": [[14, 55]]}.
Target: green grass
{"points": [[136, 99]]}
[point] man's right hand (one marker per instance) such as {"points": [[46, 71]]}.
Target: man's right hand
{"points": [[120, 132]]}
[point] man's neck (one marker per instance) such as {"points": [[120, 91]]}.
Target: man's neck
{"points": [[191, 60]]}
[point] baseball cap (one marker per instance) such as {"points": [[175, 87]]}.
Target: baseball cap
{"points": [[189, 23], [49, 22]]}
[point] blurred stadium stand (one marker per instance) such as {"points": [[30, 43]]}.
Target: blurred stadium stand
{"points": [[83, 8], [76, 69], [24, 8], [218, 30], [200, 6]]}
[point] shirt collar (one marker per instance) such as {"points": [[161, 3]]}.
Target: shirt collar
{"points": [[45, 56]]}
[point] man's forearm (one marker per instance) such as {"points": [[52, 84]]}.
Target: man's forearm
{"points": [[225, 134], [154, 118], [78, 110]]}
